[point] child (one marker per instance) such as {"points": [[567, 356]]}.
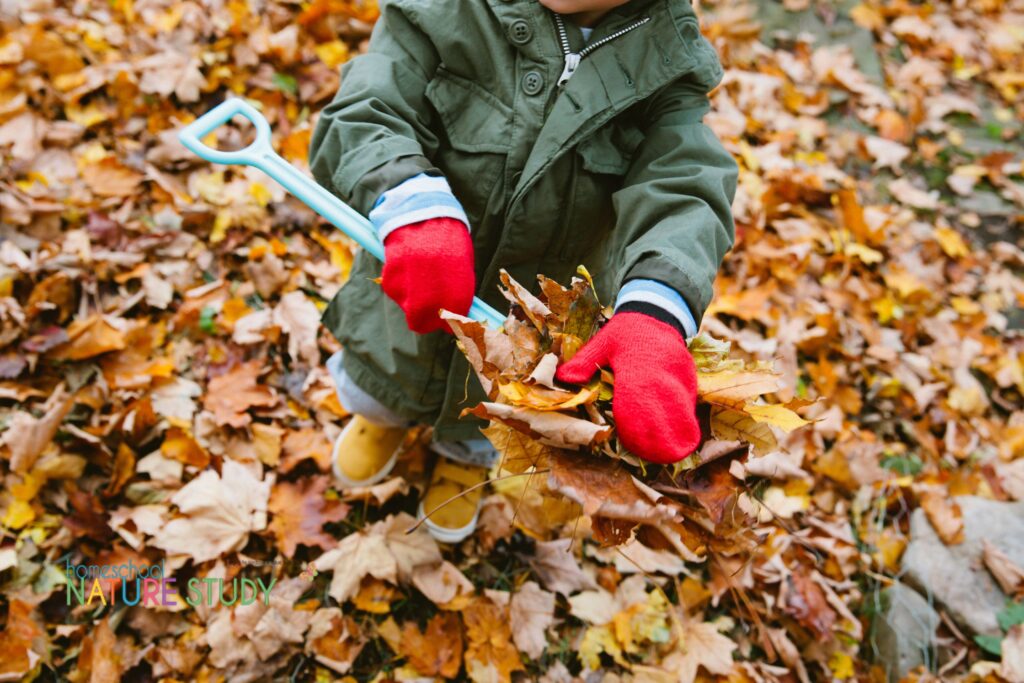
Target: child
{"points": [[529, 135]]}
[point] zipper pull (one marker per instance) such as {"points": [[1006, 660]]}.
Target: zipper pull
{"points": [[572, 60]]}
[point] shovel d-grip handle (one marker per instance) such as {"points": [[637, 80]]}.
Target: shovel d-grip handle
{"points": [[261, 155]]}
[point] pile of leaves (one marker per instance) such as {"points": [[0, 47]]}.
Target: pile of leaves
{"points": [[563, 440], [163, 395]]}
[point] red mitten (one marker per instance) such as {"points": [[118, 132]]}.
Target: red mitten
{"points": [[655, 400], [429, 266]]}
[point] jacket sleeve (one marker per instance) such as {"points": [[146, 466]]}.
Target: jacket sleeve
{"points": [[377, 131], [674, 211]]}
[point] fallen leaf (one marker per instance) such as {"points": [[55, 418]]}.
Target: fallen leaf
{"points": [[231, 395], [490, 655], [945, 516], [299, 512], [1007, 574], [700, 646], [220, 511]]}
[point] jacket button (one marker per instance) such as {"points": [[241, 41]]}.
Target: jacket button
{"points": [[532, 82], [520, 32]]}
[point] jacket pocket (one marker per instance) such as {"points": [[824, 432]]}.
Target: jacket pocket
{"points": [[602, 161], [611, 149], [474, 145], [474, 119]]}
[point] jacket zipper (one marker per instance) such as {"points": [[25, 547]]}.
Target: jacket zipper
{"points": [[572, 59]]}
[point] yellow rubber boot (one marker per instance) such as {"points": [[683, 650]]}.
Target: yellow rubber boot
{"points": [[365, 452], [453, 516]]}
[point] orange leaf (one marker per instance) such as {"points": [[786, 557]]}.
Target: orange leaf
{"points": [[490, 654], [438, 650], [229, 396], [179, 445], [300, 512], [109, 178], [90, 337]]}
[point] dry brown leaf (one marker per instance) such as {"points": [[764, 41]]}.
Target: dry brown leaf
{"points": [[26, 436], [88, 338], [558, 569], [221, 510], [490, 655], [1007, 574], [603, 487], [700, 645], [110, 178], [17, 656], [1011, 667], [231, 395], [806, 602], [437, 651], [299, 512], [945, 516], [552, 428], [383, 550]]}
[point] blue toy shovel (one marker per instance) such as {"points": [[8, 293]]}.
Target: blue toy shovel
{"points": [[261, 155]]}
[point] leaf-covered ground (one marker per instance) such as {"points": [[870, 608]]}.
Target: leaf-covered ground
{"points": [[163, 396]]}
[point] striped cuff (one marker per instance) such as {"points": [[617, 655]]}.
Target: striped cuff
{"points": [[419, 198], [659, 301]]}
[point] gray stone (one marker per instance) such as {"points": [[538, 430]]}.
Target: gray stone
{"points": [[954, 576], [903, 631]]}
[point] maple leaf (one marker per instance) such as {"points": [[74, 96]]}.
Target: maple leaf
{"points": [[303, 444], [436, 651], [490, 655], [383, 550], [299, 512], [231, 395], [700, 645], [221, 510], [531, 612], [334, 639]]}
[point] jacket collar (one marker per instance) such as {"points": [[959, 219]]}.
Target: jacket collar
{"points": [[613, 77]]}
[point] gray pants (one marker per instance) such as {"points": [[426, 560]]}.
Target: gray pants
{"points": [[356, 400]]}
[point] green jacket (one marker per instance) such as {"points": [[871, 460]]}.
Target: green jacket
{"points": [[614, 171]]}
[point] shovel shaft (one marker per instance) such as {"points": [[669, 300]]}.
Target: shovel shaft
{"points": [[261, 155]]}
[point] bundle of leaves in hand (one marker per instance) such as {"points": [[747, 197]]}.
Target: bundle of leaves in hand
{"points": [[560, 457]]}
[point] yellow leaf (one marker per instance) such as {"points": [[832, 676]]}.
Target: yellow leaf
{"points": [[260, 193], [87, 116], [598, 639], [841, 665], [776, 415], [864, 253], [19, 513], [964, 306], [542, 398], [333, 53], [733, 389], [220, 226], [951, 242], [733, 425], [339, 252]]}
